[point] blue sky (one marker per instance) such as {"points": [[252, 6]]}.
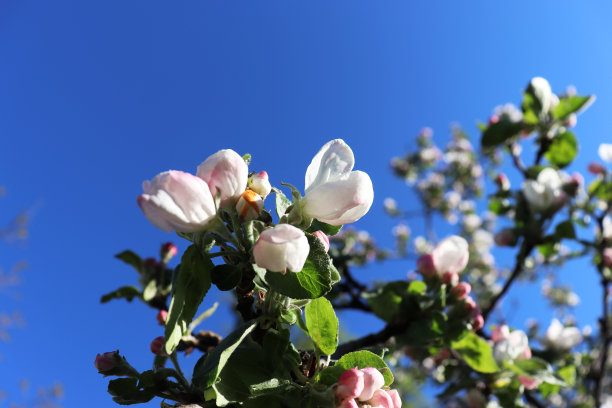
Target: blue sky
{"points": [[98, 96]]}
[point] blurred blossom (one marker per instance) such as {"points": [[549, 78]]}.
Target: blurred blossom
{"points": [[543, 192], [605, 152], [422, 246], [471, 222], [559, 337], [508, 112]]}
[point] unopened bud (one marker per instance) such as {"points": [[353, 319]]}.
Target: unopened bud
{"points": [[161, 317], [168, 251], [107, 361], [596, 168], [500, 333], [461, 291], [607, 257], [157, 346], [350, 384], [502, 182], [506, 237], [450, 278], [323, 238], [260, 184], [477, 322], [469, 306], [426, 267], [493, 119], [249, 205]]}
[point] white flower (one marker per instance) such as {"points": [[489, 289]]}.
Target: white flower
{"points": [[541, 90], [451, 255], [471, 222], [605, 152], [561, 338], [280, 248], [177, 201], [226, 174], [335, 194], [511, 347], [483, 241], [607, 227], [543, 192]]}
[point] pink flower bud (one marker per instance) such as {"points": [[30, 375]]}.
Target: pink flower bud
{"points": [[493, 119], [157, 346], [280, 248], [161, 317], [425, 266], [596, 168], [500, 333], [107, 361], [451, 255], [461, 291], [477, 322], [528, 382], [260, 184], [350, 384], [506, 237], [450, 278], [348, 403], [373, 380], [526, 354], [469, 305], [607, 257], [250, 205], [168, 251], [226, 174], [395, 397], [323, 238], [177, 201], [381, 399], [502, 182]]}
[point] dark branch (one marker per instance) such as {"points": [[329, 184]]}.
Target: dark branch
{"points": [[371, 340]]}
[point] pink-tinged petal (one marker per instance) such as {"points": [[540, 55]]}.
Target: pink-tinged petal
{"points": [[451, 255], [334, 161], [323, 238], [461, 290], [350, 384], [260, 184], [226, 174], [381, 399], [107, 361], [395, 397], [280, 248], [348, 403], [426, 267], [528, 382], [373, 380]]}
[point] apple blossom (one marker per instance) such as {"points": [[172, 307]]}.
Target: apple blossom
{"points": [[605, 152], [350, 384], [335, 194], [348, 403], [107, 361], [372, 380], [323, 238], [543, 93], [561, 338], [260, 184], [451, 255], [511, 347], [157, 346], [177, 201], [381, 399], [528, 382], [280, 248], [395, 397], [226, 174], [161, 317], [500, 332], [425, 266], [249, 205], [545, 191], [461, 290]]}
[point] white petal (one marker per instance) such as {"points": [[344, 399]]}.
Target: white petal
{"points": [[605, 152], [226, 174], [334, 161], [451, 255]]}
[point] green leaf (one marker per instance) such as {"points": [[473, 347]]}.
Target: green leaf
{"points": [[327, 229], [359, 359], [313, 281], [208, 367], [570, 104], [417, 287], [130, 258], [531, 108], [226, 277], [282, 202], [125, 391], [322, 325], [562, 150], [192, 284], [498, 133], [126, 292], [150, 290], [565, 230], [476, 353], [247, 158], [385, 301], [568, 373]]}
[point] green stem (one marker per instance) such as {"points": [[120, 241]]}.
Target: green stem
{"points": [[181, 376]]}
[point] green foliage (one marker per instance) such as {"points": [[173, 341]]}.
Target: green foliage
{"points": [[322, 325], [562, 150], [125, 292], [500, 132], [571, 104], [359, 359], [226, 277], [281, 201], [476, 352], [192, 284], [327, 229], [130, 258], [127, 391]]}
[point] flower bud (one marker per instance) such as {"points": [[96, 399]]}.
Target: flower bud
{"points": [[260, 184], [450, 278], [335, 194], [373, 380], [529, 383], [545, 191], [500, 332], [596, 168], [107, 361], [469, 306], [280, 248], [506, 237], [323, 238], [477, 322], [381, 399], [250, 205], [540, 89], [607, 257], [493, 119], [168, 251], [177, 201], [461, 291], [161, 317], [511, 347], [425, 266], [350, 384], [502, 182], [226, 174], [348, 403], [157, 346], [451, 255]]}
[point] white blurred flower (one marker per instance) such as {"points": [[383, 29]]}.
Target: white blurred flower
{"points": [[471, 222], [605, 152], [451, 255], [511, 347], [483, 241], [543, 192], [559, 337], [543, 93]]}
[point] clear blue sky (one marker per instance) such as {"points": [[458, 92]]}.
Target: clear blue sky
{"points": [[97, 96]]}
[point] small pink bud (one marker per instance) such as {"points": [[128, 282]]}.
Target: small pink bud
{"points": [[372, 380], [260, 184], [157, 346], [607, 257], [162, 316], [526, 354], [106, 361], [500, 333], [168, 251], [395, 397], [450, 278], [461, 290], [350, 384], [323, 238], [348, 403], [381, 399], [477, 322], [596, 168], [502, 182], [528, 382], [469, 305], [506, 237], [493, 119], [426, 267]]}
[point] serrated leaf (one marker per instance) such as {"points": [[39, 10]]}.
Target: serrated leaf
{"points": [[571, 104], [125, 292], [282, 202], [322, 325], [562, 150], [476, 352], [130, 258], [192, 284]]}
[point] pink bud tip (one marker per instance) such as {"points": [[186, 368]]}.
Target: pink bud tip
{"points": [[168, 251], [528, 382], [162, 316], [157, 346], [461, 291], [450, 278], [323, 238], [500, 333], [262, 175], [106, 361], [469, 305], [425, 266], [350, 384], [596, 168], [493, 119], [477, 322]]}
